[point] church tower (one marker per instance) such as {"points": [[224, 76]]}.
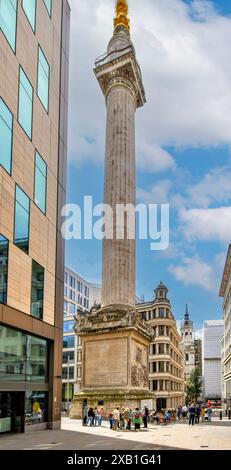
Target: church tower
{"points": [[188, 344], [186, 328]]}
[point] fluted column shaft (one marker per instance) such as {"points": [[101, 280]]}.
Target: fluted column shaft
{"points": [[118, 277]]}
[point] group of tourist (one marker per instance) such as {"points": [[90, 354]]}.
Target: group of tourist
{"points": [[95, 416], [195, 413], [119, 418], [126, 419]]}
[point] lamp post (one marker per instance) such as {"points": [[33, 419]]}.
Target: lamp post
{"points": [[68, 382]]}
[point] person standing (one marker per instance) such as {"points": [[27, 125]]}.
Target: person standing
{"points": [[209, 413], [96, 419], [198, 413], [101, 416], [192, 412], [111, 419], [116, 417], [137, 419], [202, 414], [145, 416], [91, 416], [184, 412], [179, 413], [126, 418]]}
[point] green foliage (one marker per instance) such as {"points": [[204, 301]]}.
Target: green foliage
{"points": [[194, 385]]}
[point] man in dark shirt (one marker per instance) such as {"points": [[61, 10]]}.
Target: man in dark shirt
{"points": [[145, 416], [192, 411]]}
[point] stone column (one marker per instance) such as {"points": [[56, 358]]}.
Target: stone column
{"points": [[118, 277]]}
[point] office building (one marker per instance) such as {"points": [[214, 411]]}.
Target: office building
{"points": [[79, 296], [166, 359], [213, 331], [34, 49], [225, 292]]}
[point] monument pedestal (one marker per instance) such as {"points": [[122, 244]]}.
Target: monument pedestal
{"points": [[115, 348]]}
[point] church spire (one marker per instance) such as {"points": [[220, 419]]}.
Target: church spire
{"points": [[186, 317], [122, 15]]}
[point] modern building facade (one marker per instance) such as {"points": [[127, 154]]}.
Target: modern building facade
{"points": [[34, 49], [79, 295], [213, 331], [192, 347], [225, 292], [166, 359]]}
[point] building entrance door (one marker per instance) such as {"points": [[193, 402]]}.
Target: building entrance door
{"points": [[12, 409], [160, 404]]}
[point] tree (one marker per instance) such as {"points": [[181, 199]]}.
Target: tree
{"points": [[194, 385]]}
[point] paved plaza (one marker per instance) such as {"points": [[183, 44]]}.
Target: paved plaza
{"points": [[73, 436], [211, 436]]}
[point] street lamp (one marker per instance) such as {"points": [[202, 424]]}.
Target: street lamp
{"points": [[68, 382]]}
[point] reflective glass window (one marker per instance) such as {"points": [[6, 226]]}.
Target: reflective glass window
{"points": [[43, 79], [65, 373], [25, 103], [8, 20], [40, 182], [37, 290], [48, 5], [68, 342], [21, 220], [29, 7], [68, 326], [4, 245], [71, 355], [6, 135]]}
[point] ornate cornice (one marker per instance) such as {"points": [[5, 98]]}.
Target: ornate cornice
{"points": [[111, 318], [120, 67]]}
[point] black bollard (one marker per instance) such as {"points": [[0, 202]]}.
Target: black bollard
{"points": [[229, 413], [221, 415]]}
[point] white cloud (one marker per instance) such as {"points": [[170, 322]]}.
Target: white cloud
{"points": [[194, 271], [214, 188], [186, 70], [206, 224], [154, 159], [158, 193], [198, 334]]}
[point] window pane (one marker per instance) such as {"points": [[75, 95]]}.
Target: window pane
{"points": [[48, 4], [25, 105], [21, 221], [71, 309], [36, 407], [71, 355], [43, 79], [4, 244], [68, 342], [22, 357], [65, 373], [6, 126], [12, 354], [37, 354], [40, 182], [68, 326], [37, 290], [29, 7], [8, 20]]}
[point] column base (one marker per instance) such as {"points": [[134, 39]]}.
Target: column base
{"points": [[108, 400]]}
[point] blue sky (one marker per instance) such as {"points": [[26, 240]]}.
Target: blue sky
{"points": [[183, 138]]}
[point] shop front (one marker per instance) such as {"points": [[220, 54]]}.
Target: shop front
{"points": [[24, 388]]}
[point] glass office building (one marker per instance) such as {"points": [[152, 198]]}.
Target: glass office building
{"points": [[34, 49]]}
